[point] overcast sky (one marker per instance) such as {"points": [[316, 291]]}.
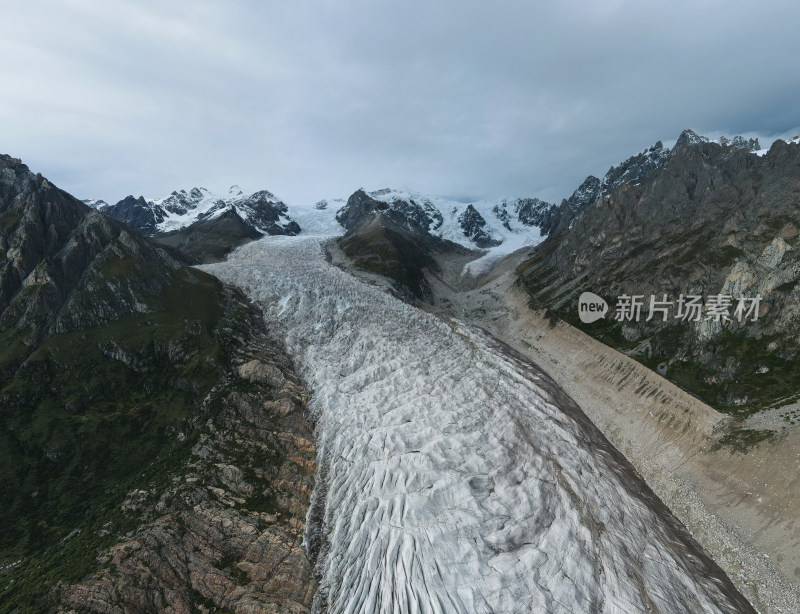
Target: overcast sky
{"points": [[462, 98]]}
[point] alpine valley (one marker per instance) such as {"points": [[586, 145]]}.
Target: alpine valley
{"points": [[388, 403]]}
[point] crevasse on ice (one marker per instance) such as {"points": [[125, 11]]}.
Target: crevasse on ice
{"points": [[453, 476]]}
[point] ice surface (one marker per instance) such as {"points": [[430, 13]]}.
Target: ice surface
{"points": [[452, 475], [318, 222]]}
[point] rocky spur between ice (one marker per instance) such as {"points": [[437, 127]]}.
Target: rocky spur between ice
{"points": [[454, 476]]}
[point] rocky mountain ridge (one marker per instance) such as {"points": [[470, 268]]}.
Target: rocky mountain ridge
{"points": [[114, 358], [633, 171], [204, 227], [489, 224], [262, 210], [709, 219]]}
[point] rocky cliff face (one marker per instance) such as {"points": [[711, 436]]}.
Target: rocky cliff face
{"points": [[64, 266], [222, 528], [210, 240], [408, 212], [473, 226], [115, 364], [707, 220], [536, 212], [505, 223], [136, 213], [634, 171]]}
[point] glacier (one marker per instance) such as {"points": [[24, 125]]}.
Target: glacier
{"points": [[453, 475]]}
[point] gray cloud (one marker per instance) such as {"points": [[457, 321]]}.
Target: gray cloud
{"points": [[314, 99]]}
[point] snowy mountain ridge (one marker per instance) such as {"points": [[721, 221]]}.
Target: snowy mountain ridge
{"points": [[262, 210], [476, 224], [499, 226]]}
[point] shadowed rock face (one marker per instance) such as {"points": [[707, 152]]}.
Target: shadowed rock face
{"points": [[359, 206], [135, 213], [65, 266], [210, 240], [482, 225], [634, 171], [472, 225], [712, 220], [535, 212], [403, 212]]}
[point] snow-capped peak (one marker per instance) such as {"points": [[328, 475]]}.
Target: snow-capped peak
{"points": [[182, 208], [95, 203], [261, 210]]}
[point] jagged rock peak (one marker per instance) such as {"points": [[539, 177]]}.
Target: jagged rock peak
{"points": [[12, 170], [261, 210], [536, 212], [749, 144], [95, 203], [404, 210], [358, 205], [472, 225], [588, 192], [54, 244], [689, 137]]}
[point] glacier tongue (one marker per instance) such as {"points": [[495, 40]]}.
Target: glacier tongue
{"points": [[453, 476]]}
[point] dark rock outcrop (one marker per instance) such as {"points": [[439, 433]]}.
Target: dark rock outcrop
{"points": [[359, 206], [223, 528], [210, 240], [265, 213], [588, 192], [66, 266], [535, 212], [180, 202], [688, 138], [386, 242], [472, 225], [742, 143], [137, 214], [408, 212], [633, 171]]}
